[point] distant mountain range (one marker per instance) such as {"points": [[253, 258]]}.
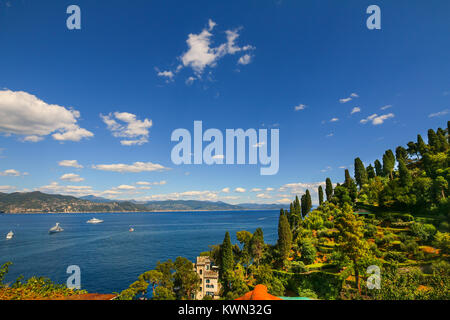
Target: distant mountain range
{"points": [[38, 202]]}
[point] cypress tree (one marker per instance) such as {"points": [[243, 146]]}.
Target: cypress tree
{"points": [[412, 149], [433, 140], [370, 172], [320, 195], [284, 237], [308, 201], [405, 175], [348, 179], [227, 260], [304, 206], [378, 168], [421, 146], [442, 139], [360, 173], [388, 163], [328, 189]]}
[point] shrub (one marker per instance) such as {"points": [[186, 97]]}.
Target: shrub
{"points": [[307, 293]]}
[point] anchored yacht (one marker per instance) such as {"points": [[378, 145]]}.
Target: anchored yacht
{"points": [[94, 221], [56, 228], [10, 235]]}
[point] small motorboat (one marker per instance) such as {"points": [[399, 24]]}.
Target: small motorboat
{"points": [[131, 229], [10, 235], [55, 229], [94, 221]]}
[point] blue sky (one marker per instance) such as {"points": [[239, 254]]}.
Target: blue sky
{"points": [[262, 60]]}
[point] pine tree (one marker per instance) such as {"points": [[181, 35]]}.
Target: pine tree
{"points": [[405, 175], [388, 163], [328, 189], [378, 168], [370, 172], [348, 179], [360, 173], [227, 260], [304, 206], [284, 237], [412, 149], [320, 195], [401, 153]]}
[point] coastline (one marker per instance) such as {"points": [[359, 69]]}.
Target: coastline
{"points": [[148, 211]]}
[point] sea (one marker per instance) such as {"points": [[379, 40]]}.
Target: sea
{"points": [[109, 256]]}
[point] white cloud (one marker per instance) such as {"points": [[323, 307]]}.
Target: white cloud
{"points": [[269, 189], [13, 173], [126, 187], [24, 114], [72, 177], [438, 114], [7, 188], [166, 74], [256, 190], [334, 120], [376, 119], [263, 196], [326, 169], [77, 191], [240, 190], [245, 59], [345, 100], [386, 107], [201, 54], [300, 107], [330, 135], [146, 183], [70, 163], [355, 110], [284, 201], [226, 190], [134, 129], [135, 167]]}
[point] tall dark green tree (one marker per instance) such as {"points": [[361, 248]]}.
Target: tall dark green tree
{"points": [[378, 168], [370, 172], [227, 259], [433, 140], [401, 154], [421, 146], [360, 173], [412, 149], [388, 163], [306, 203], [320, 195], [257, 246], [348, 179], [284, 237], [405, 175], [328, 189]]}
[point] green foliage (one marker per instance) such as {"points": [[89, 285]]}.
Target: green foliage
{"points": [[360, 173], [328, 189], [320, 192], [284, 237], [227, 260], [307, 293], [308, 252]]}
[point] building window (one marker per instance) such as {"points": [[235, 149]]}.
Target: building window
{"points": [[201, 271], [207, 280]]}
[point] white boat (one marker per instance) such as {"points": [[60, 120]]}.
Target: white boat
{"points": [[10, 235], [94, 221], [131, 229], [55, 229]]}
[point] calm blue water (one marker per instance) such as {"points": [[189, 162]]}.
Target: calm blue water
{"points": [[111, 257]]}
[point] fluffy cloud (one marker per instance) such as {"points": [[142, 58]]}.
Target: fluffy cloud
{"points": [[135, 167], [245, 59], [13, 173], [145, 183], [226, 190], [24, 114], [7, 188], [438, 114], [72, 177], [201, 54], [135, 130], [256, 190], [77, 191], [355, 110], [300, 107], [345, 100], [240, 190], [263, 196], [376, 119], [70, 163], [386, 107], [334, 120]]}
